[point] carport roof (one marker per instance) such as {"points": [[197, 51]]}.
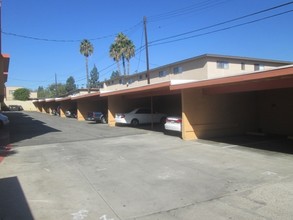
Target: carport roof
{"points": [[281, 77], [149, 89], [86, 96], [277, 78]]}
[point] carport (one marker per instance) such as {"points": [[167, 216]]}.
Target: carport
{"points": [[257, 103], [50, 104], [158, 97], [89, 103], [65, 104]]}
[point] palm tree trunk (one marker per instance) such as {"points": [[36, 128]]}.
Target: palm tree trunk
{"points": [[87, 75], [128, 67], [123, 62], [118, 66]]}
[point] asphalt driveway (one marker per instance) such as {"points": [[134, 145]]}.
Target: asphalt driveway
{"points": [[64, 169]]}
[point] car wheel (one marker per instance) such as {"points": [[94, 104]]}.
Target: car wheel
{"points": [[134, 122], [103, 120]]}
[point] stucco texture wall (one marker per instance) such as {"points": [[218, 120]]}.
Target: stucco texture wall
{"points": [[207, 116], [276, 111]]}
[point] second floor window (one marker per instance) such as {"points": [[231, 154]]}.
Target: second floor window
{"points": [[177, 69], [163, 73], [259, 67], [222, 65]]}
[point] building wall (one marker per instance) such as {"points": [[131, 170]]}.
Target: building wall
{"points": [[207, 116], [10, 90], [26, 105], [276, 111], [204, 67], [235, 66], [190, 71]]}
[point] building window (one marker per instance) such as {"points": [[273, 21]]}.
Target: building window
{"points": [[11, 92], [177, 69], [242, 66], [258, 67], [163, 73], [131, 80], [222, 65], [140, 77]]}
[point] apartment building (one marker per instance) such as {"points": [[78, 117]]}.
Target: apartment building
{"points": [[207, 66]]}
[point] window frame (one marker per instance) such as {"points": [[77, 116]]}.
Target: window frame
{"points": [[163, 73], [177, 69], [259, 67], [222, 64]]}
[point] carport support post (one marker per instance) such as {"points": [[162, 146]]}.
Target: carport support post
{"points": [[188, 132], [116, 104]]}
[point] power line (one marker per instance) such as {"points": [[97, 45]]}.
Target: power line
{"points": [[186, 10], [225, 22], [222, 29], [64, 40]]}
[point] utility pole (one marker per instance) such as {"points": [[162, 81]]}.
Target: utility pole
{"points": [[146, 49]]}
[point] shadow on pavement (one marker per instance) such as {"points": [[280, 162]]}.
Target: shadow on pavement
{"points": [[13, 204], [23, 127], [273, 143]]}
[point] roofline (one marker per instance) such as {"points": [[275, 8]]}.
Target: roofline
{"points": [[89, 95], [250, 59], [148, 87]]}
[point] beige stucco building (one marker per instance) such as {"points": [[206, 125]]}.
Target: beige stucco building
{"points": [[207, 66]]}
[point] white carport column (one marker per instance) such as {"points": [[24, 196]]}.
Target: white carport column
{"points": [[188, 114]]}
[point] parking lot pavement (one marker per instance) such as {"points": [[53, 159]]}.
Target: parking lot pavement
{"points": [[126, 173]]}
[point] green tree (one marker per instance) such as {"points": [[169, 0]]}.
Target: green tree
{"points": [[56, 90], [94, 77], [114, 74], [86, 49], [41, 93], [21, 94], [70, 85]]}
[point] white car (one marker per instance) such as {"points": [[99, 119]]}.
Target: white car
{"points": [[173, 123], [3, 120], [139, 116]]}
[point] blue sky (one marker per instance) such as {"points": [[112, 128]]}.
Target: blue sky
{"points": [[43, 37]]}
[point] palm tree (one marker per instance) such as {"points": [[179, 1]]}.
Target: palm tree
{"points": [[122, 48], [86, 49], [115, 54], [121, 41], [129, 53]]}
